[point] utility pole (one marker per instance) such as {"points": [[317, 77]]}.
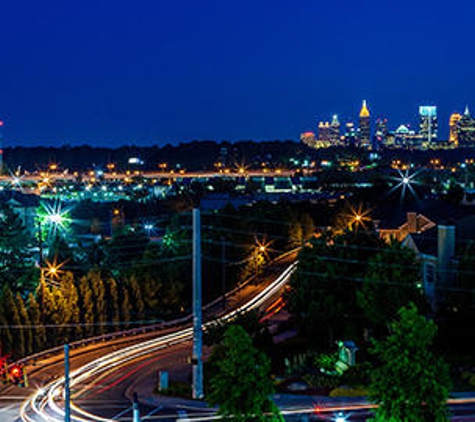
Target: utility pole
{"points": [[197, 311], [223, 270], [67, 398]]}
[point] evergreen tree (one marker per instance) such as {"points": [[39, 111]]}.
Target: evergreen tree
{"points": [[39, 334], [113, 308], [12, 316], [86, 304], [125, 307], [25, 321], [99, 300], [6, 337], [241, 385], [295, 235], [136, 298], [70, 308], [14, 250], [410, 383], [53, 313]]}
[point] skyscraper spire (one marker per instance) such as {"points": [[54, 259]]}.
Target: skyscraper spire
{"points": [[364, 110], [364, 137], [467, 111]]}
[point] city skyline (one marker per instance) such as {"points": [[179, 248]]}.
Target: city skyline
{"points": [[159, 73]]}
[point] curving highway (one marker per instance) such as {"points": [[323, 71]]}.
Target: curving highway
{"points": [[47, 403]]}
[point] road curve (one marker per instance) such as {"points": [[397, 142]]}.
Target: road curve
{"points": [[47, 403]]}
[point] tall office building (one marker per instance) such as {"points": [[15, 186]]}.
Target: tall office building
{"points": [[324, 132], [350, 134], [454, 128], [466, 129], [428, 126], [381, 132], [335, 130], [364, 138]]}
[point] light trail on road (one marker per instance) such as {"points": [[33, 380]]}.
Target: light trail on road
{"points": [[45, 404]]}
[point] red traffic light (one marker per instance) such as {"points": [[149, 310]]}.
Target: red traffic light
{"points": [[17, 375], [16, 371]]}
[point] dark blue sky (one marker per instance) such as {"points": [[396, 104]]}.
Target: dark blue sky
{"points": [[111, 72]]}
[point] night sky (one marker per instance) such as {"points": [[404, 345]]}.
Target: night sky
{"points": [[114, 72]]}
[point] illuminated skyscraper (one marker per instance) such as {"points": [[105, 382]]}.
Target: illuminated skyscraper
{"points": [[324, 132], [381, 132], [428, 123], [364, 138], [454, 129], [335, 130], [466, 129], [350, 134]]}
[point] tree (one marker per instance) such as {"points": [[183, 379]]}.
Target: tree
{"points": [[100, 306], [295, 235], [34, 313], [86, 304], [70, 309], [250, 321], [324, 287], [136, 298], [13, 246], [6, 337], [308, 226], [391, 281], [126, 307], [113, 309], [241, 385], [25, 321], [10, 310], [410, 383]]}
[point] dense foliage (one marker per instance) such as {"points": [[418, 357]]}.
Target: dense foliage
{"points": [[241, 385], [350, 282], [410, 383]]}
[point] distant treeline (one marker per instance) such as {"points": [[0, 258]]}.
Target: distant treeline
{"points": [[190, 156], [203, 155]]}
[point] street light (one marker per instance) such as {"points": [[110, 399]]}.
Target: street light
{"points": [[148, 228], [55, 217], [51, 272], [260, 255], [358, 217]]}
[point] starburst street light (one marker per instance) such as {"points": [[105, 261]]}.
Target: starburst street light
{"points": [[340, 417], [16, 181], [260, 254], [358, 217], [53, 218], [51, 272], [261, 247], [406, 182]]}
